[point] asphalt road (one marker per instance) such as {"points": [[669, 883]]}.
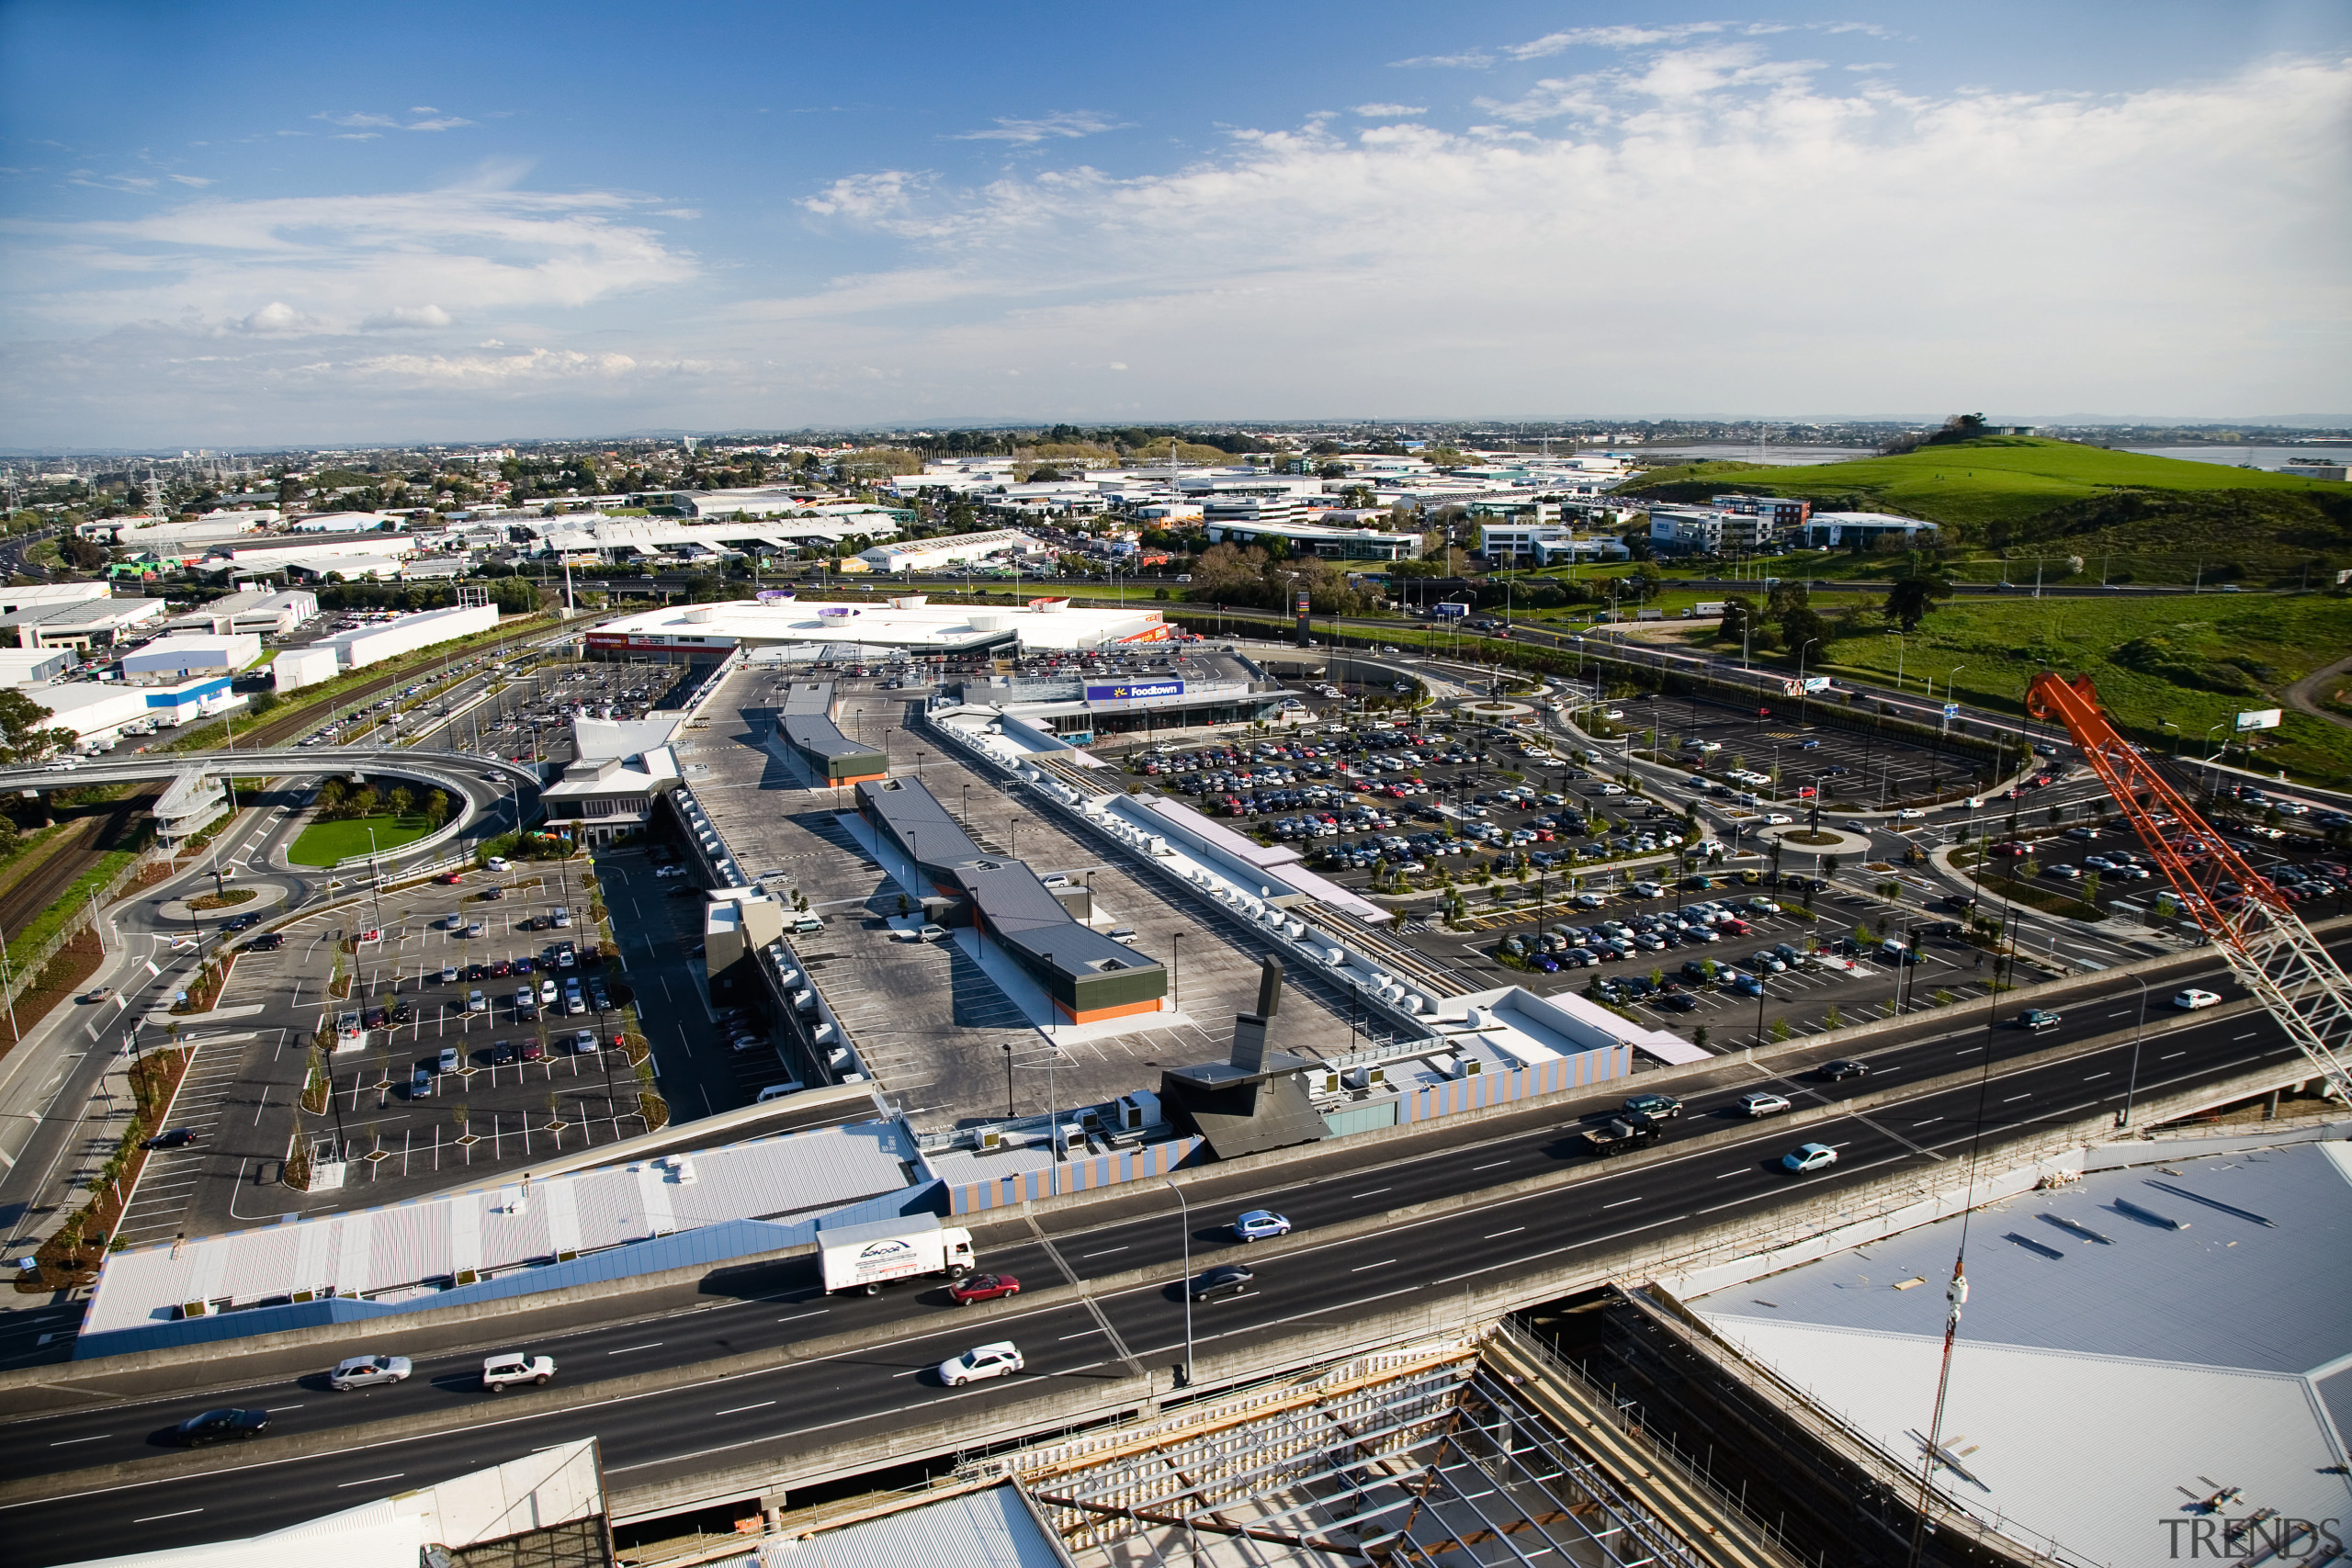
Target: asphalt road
{"points": [[680, 1431]]}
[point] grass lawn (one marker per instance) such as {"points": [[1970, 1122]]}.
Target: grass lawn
{"points": [[2133, 650], [323, 843]]}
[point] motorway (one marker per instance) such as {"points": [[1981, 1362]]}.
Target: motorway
{"points": [[1321, 1274]]}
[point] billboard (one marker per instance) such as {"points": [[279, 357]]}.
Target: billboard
{"points": [[2258, 718], [1134, 690], [1450, 611]]}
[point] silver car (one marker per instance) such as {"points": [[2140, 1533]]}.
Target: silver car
{"points": [[367, 1371]]}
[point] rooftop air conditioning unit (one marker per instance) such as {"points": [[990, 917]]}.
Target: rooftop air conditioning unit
{"points": [[1366, 1078], [681, 1170]]}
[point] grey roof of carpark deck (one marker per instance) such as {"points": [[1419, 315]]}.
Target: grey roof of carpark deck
{"points": [[2096, 1385]]}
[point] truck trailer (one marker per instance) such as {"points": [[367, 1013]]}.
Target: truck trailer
{"points": [[867, 1256]]}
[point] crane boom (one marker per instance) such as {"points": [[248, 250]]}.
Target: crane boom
{"points": [[2270, 950]]}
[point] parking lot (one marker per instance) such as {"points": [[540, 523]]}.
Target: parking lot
{"points": [[528, 718], [1790, 754]]}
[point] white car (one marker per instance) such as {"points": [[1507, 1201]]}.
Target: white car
{"points": [[1778, 818], [1761, 1103], [1909, 814], [669, 871], [367, 1372], [1613, 789], [504, 1371], [1000, 1360], [2192, 998]]}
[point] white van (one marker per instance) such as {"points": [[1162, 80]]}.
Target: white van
{"points": [[779, 1090]]}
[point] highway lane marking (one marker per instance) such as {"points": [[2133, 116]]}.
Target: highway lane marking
{"points": [[1081, 1333], [2096, 1076], [1373, 1193], [738, 1410], [1928, 1123], [907, 1373], [1104, 1253], [65, 1442], [2246, 1036], [394, 1476], [2170, 1056], [2015, 1098], [275, 1408], [181, 1515], [1500, 1234], [796, 1317], [627, 1348], [1490, 1166], [1621, 1202], [1362, 1267], [1741, 1171]]}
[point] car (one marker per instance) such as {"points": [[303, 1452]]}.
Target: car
{"points": [[1656, 1107], [177, 1138], [583, 1043], [268, 942], [477, 1002], [982, 1287], [1808, 1157], [1257, 1224], [2191, 1000], [1778, 818], [1225, 1279], [504, 1371], [403, 1011], [451, 1058], [531, 1050], [493, 893], [1000, 1360], [2036, 1020], [501, 1053], [1844, 1068], [242, 922], [1124, 935], [420, 1082], [367, 1372], [448, 974], [449, 878], [1910, 814], [1762, 1103], [498, 863], [220, 1427], [474, 929], [1761, 906]]}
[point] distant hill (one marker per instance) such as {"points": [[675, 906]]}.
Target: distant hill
{"points": [[2006, 491]]}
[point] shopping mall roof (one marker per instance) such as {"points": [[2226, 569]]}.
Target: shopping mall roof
{"points": [[908, 621], [2131, 1344]]}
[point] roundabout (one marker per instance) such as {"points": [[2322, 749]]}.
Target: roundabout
{"points": [[1828, 841], [1494, 712], [262, 896]]}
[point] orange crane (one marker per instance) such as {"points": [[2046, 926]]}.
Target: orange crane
{"points": [[2271, 950]]}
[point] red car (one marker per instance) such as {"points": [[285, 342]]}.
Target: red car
{"points": [[982, 1287], [449, 878]]}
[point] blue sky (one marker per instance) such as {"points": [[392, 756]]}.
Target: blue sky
{"points": [[245, 224]]}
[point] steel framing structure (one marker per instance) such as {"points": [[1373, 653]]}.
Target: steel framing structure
{"points": [[2270, 950], [1425, 1460]]}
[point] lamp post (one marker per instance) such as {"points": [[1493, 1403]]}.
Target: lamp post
{"points": [[1007, 1080], [1184, 1218], [1176, 970], [1801, 693], [2131, 1085]]}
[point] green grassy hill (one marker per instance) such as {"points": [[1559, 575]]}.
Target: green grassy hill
{"points": [[2160, 517]]}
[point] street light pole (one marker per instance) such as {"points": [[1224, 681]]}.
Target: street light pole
{"points": [[2131, 1086], [1185, 1213]]}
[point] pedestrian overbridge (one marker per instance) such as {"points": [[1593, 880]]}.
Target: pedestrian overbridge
{"points": [[496, 795]]}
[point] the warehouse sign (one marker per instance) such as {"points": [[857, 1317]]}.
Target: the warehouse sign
{"points": [[2258, 718], [1122, 693]]}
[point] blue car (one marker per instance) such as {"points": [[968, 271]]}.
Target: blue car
{"points": [[1260, 1223], [1549, 964], [1808, 1158], [1748, 985]]}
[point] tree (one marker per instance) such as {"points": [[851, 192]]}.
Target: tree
{"points": [[402, 801], [1913, 592], [1739, 617], [437, 806], [330, 797], [22, 736]]}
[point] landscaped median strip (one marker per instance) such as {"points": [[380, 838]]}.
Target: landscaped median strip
{"points": [[524, 1406]]}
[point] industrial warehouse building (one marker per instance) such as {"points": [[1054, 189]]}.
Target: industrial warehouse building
{"points": [[186, 653]]}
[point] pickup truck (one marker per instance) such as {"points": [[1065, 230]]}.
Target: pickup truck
{"points": [[1620, 1134]]}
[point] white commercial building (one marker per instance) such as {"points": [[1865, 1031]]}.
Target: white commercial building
{"points": [[908, 623], [372, 645], [1307, 540], [32, 595], [296, 667], [78, 622], [184, 653], [956, 550], [1544, 544], [1836, 530]]}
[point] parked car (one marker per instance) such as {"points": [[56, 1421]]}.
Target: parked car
{"points": [[451, 1058], [268, 942], [1806, 1157], [220, 1427], [367, 1372], [1762, 1102], [982, 1287], [1257, 1224], [177, 1138], [1000, 1360], [504, 1371]]}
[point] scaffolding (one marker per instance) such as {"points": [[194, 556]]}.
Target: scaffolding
{"points": [[1418, 1459]]}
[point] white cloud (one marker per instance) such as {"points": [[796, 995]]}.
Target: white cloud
{"points": [[330, 263], [197, 181], [357, 119], [1700, 225], [1389, 111], [1066, 125]]}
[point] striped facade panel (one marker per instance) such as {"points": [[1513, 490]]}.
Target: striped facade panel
{"points": [[263, 1266], [410, 1243], [1557, 1076], [1112, 1169], [609, 1207]]}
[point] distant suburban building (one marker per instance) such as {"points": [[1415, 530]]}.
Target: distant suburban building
{"points": [[1839, 530]]}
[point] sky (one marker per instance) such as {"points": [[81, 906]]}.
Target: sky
{"points": [[246, 224]]}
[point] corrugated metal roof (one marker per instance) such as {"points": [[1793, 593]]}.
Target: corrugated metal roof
{"points": [[414, 1243], [992, 1528]]}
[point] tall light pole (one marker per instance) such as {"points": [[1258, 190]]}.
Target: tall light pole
{"points": [[1185, 1213], [2131, 1085], [1800, 652]]}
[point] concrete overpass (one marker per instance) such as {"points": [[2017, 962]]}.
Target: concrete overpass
{"points": [[497, 796]]}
